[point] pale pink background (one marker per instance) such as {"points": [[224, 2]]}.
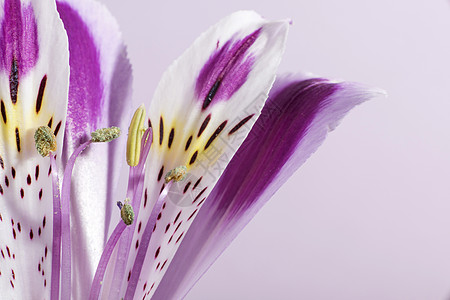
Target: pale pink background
{"points": [[368, 216]]}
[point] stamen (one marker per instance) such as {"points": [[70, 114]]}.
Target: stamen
{"points": [[177, 174], [100, 135], [45, 140], [104, 259], [103, 135], [122, 231], [66, 258], [134, 136], [127, 212]]}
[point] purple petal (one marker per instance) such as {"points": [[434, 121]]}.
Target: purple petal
{"points": [[19, 47], [86, 87], [99, 96], [292, 125]]}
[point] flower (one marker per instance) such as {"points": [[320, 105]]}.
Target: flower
{"points": [[64, 71]]}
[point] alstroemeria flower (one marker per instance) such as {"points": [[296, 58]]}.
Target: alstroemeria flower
{"points": [[214, 152]]}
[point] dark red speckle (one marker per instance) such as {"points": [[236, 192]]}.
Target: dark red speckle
{"points": [[179, 238], [145, 198], [192, 215], [176, 218], [162, 267], [201, 202], [179, 224]]}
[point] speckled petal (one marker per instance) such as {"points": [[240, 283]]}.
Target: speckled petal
{"points": [[295, 121], [99, 96], [202, 110], [34, 82]]}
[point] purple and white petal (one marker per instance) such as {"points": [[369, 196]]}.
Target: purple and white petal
{"points": [[295, 121], [201, 112], [99, 96], [34, 82]]}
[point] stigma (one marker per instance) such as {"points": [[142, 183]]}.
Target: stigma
{"points": [[135, 132]]}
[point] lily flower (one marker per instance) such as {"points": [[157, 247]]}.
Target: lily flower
{"points": [[214, 147]]}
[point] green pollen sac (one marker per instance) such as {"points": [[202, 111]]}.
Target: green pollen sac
{"points": [[104, 135], [177, 174], [127, 213], [135, 132], [44, 140]]}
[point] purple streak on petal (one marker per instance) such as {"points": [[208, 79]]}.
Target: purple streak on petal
{"points": [[18, 37], [86, 87], [143, 246], [66, 258], [292, 125], [104, 259], [283, 122], [226, 70], [134, 192], [56, 246]]}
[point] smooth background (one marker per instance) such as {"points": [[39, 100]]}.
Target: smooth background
{"points": [[368, 216]]}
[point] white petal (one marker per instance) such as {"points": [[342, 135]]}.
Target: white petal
{"points": [[242, 52], [43, 70]]}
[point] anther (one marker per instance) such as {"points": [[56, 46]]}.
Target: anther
{"points": [[103, 135], [135, 132], [177, 174], [126, 212], [45, 140]]}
